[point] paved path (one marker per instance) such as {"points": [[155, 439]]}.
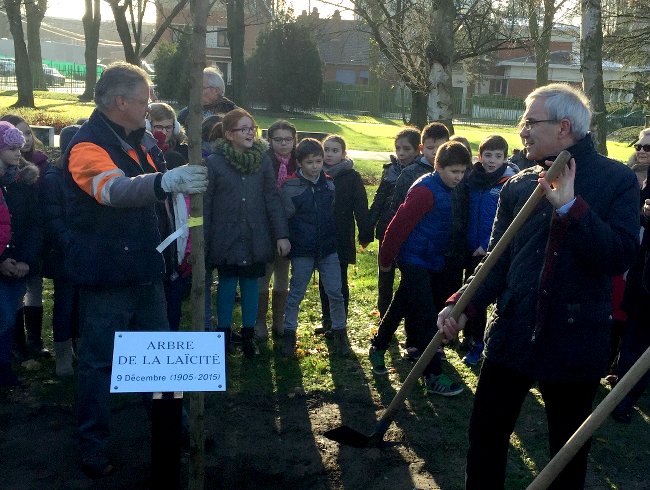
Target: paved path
{"points": [[380, 156]]}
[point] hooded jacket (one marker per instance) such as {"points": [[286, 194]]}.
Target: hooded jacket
{"points": [[350, 205], [310, 210]]}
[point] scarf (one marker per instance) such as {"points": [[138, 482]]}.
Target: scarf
{"points": [[246, 162], [482, 180], [334, 170], [282, 169]]}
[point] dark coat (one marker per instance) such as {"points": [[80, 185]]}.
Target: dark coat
{"points": [[310, 210], [350, 205], [26, 240], [381, 212], [552, 285], [56, 230], [243, 214]]}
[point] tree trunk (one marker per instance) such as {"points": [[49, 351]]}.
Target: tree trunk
{"points": [[441, 54], [23, 72], [440, 103], [123, 30], [91, 21], [591, 63], [236, 31], [200, 10], [418, 107], [35, 11]]}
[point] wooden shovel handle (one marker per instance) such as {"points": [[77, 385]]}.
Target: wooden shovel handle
{"points": [[487, 265], [589, 426]]}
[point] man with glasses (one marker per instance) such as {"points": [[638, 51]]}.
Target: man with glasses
{"points": [[552, 288], [116, 186], [213, 98]]}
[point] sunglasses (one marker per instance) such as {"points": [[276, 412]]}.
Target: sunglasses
{"points": [[645, 148]]}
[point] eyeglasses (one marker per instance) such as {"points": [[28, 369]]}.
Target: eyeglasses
{"points": [[645, 148], [245, 129], [282, 140], [528, 124], [157, 127]]}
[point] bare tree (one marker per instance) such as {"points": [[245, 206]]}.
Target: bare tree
{"points": [[23, 72], [34, 13], [130, 31], [423, 39], [236, 32], [591, 64], [541, 35], [91, 20]]}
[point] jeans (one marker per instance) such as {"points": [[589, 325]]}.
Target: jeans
{"points": [[324, 300], [102, 312], [329, 270], [11, 296], [385, 281], [499, 396]]}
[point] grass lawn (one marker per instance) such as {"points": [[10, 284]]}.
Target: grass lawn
{"points": [[360, 132]]}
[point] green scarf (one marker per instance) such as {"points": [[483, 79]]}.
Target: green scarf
{"points": [[246, 162]]}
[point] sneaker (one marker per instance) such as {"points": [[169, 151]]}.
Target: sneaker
{"points": [[377, 360], [442, 385], [474, 355]]}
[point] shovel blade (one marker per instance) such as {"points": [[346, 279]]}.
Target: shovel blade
{"points": [[348, 436]]}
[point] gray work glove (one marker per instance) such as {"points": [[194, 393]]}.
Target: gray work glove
{"points": [[186, 179]]}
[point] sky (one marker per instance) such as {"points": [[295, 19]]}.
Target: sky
{"points": [[74, 9]]}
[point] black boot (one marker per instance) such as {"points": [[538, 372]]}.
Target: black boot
{"points": [[20, 343], [227, 342], [34, 327], [248, 342]]}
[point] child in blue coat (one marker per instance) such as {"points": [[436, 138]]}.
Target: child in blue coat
{"points": [[485, 183]]}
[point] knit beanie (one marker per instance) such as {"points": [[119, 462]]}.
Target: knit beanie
{"points": [[66, 136], [10, 136]]}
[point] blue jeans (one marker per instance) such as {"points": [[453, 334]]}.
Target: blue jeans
{"points": [[102, 312], [329, 270], [11, 296]]}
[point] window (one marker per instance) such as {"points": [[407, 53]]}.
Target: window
{"points": [[348, 77], [216, 37]]}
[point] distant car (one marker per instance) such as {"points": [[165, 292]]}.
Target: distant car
{"points": [[7, 67], [53, 76]]}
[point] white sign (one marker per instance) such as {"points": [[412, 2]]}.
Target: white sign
{"points": [[168, 361]]}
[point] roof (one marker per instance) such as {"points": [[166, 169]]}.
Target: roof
{"points": [[559, 59], [342, 42]]}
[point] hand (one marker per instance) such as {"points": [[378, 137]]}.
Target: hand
{"points": [[22, 269], [8, 268], [447, 325], [186, 179], [284, 247], [646, 208], [561, 191], [478, 252]]}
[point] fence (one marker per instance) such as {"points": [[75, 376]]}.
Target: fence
{"points": [[57, 76]]}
